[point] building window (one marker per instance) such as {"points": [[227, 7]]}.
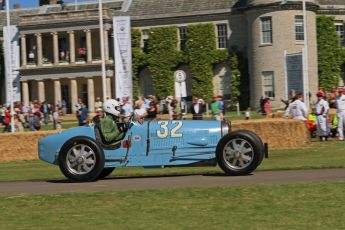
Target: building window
{"points": [[268, 84], [183, 37], [339, 27], [222, 36], [266, 30], [299, 28], [145, 38]]}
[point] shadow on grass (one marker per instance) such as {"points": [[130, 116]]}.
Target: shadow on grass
{"points": [[62, 181]]}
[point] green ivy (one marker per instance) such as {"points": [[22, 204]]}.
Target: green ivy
{"points": [[202, 53], [162, 59], [329, 53], [138, 60]]}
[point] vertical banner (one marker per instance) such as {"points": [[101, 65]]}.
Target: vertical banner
{"points": [[294, 72], [12, 78], [123, 57]]}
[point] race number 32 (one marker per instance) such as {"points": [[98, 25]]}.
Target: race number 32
{"points": [[163, 132]]}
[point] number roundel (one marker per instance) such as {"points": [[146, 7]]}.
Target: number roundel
{"points": [[164, 131]]}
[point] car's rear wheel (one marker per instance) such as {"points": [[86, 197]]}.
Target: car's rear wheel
{"points": [[239, 152], [106, 172], [81, 159]]}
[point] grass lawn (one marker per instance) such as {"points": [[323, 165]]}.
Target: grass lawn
{"points": [[306, 206], [259, 207]]}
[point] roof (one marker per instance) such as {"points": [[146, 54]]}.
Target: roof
{"points": [[332, 2], [178, 7]]}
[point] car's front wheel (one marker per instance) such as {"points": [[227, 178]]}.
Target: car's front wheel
{"points": [[81, 159], [239, 152]]}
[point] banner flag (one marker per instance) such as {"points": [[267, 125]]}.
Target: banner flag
{"points": [[12, 79], [123, 57]]}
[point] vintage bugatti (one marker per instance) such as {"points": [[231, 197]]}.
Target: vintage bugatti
{"points": [[82, 155]]}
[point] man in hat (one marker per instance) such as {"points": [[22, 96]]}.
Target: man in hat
{"points": [[340, 105], [321, 111]]}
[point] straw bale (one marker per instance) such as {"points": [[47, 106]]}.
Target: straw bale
{"points": [[20, 146], [278, 133]]}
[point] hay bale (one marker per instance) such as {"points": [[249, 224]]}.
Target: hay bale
{"points": [[20, 146], [278, 133]]}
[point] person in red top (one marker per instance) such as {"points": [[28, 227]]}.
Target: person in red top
{"points": [[7, 120]]}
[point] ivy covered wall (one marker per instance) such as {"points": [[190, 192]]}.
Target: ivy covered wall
{"points": [[330, 55], [162, 57]]}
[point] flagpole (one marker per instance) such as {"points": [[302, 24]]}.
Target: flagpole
{"points": [[101, 35], [9, 45]]}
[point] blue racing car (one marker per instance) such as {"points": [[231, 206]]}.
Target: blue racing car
{"points": [[82, 155]]}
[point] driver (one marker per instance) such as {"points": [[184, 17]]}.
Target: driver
{"points": [[112, 135]]}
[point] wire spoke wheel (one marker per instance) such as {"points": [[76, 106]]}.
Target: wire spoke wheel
{"points": [[239, 152]]}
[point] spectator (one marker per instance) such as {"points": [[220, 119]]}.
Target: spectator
{"points": [[340, 105], [36, 122], [98, 103], [7, 120], [127, 108], [216, 109], [84, 115], [45, 109], [63, 107], [169, 100], [139, 110], [267, 106], [321, 111], [197, 109], [262, 105], [297, 108], [57, 118], [2, 114], [176, 110], [152, 111]]}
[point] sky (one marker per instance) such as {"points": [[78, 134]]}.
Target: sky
{"points": [[34, 3]]}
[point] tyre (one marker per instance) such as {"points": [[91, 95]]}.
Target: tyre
{"points": [[239, 153], [106, 172], [81, 159]]}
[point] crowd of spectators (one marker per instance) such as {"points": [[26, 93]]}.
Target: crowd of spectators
{"points": [[36, 114], [31, 116], [318, 119]]}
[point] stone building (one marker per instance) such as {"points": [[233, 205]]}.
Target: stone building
{"points": [[60, 48]]}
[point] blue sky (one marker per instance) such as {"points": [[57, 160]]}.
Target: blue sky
{"points": [[34, 3]]}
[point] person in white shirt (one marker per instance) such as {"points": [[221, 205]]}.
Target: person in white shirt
{"points": [[298, 109], [139, 112], [340, 105], [127, 108], [321, 112]]}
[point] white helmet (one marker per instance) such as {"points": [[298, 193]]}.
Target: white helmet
{"points": [[112, 106]]}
